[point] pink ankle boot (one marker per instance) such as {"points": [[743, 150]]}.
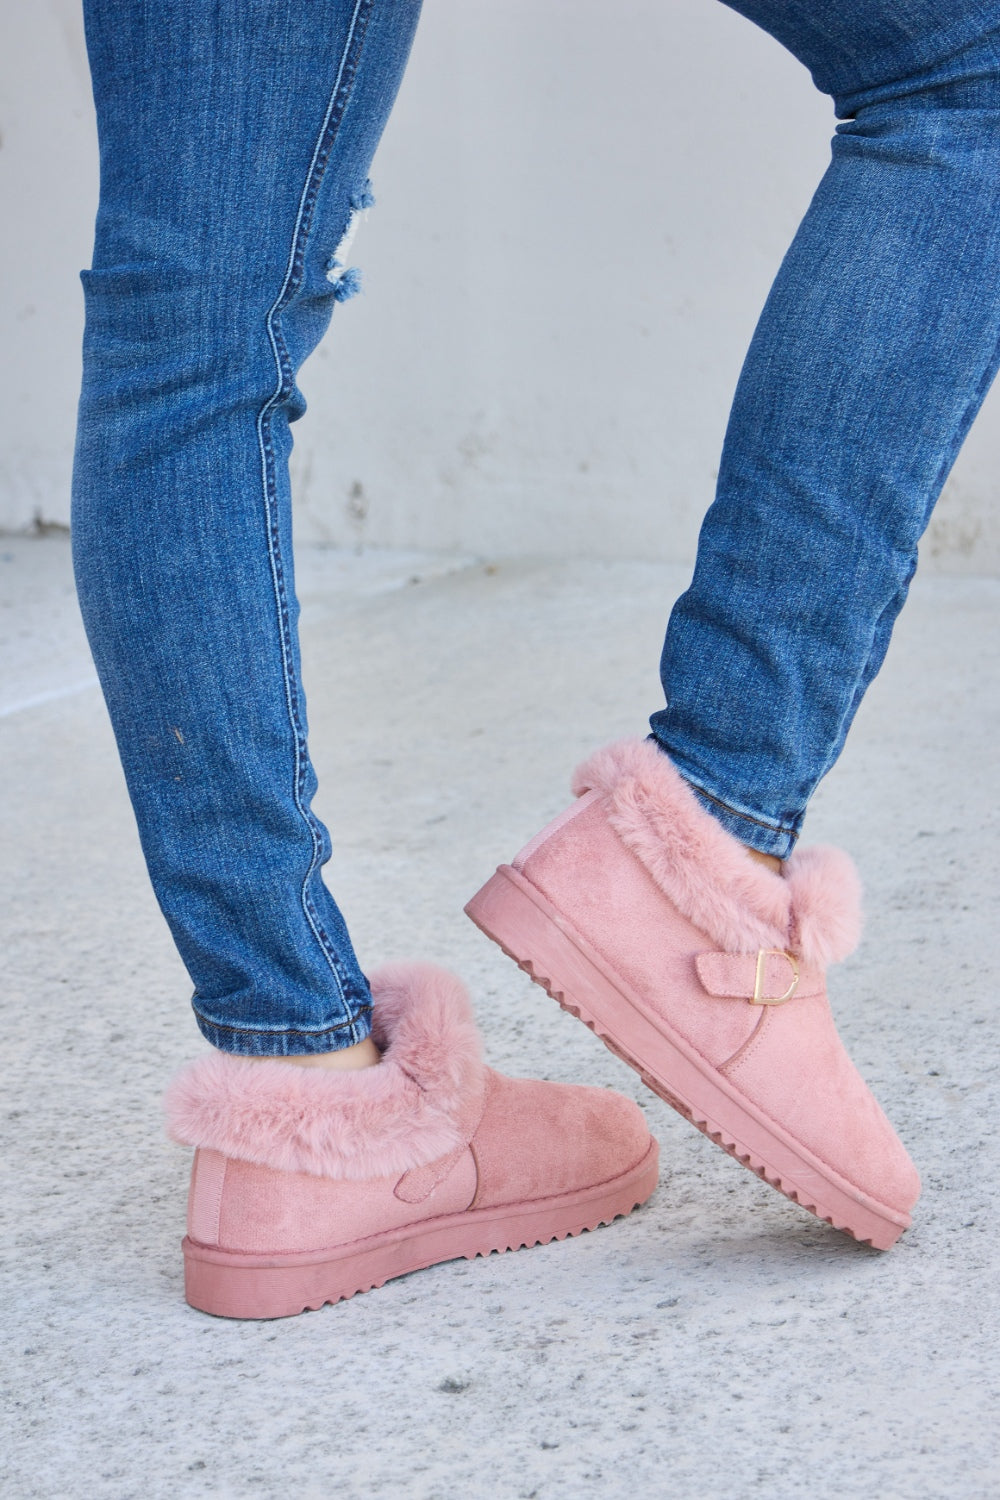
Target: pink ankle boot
{"points": [[309, 1186], [701, 968]]}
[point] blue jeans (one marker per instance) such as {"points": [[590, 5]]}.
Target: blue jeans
{"points": [[878, 342], [236, 137]]}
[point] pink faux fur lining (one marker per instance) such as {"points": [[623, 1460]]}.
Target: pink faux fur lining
{"points": [[814, 908], [420, 1102]]}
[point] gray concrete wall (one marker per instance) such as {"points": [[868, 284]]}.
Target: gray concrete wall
{"points": [[580, 211]]}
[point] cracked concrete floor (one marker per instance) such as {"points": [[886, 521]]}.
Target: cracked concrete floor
{"points": [[718, 1344]]}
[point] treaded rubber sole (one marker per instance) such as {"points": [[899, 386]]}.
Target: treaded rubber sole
{"points": [[529, 929], [232, 1285]]}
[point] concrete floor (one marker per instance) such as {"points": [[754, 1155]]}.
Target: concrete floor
{"points": [[718, 1344]]}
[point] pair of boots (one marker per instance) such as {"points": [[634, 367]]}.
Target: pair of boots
{"points": [[638, 913]]}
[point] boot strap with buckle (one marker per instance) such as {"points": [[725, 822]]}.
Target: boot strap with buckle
{"points": [[771, 976]]}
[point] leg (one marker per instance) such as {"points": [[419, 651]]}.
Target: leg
{"points": [[227, 181], [236, 138], [873, 354], [639, 909]]}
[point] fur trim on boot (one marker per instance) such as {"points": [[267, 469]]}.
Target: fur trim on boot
{"points": [[814, 907], [412, 1108]]}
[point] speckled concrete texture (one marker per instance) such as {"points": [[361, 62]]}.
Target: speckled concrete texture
{"points": [[719, 1344]]}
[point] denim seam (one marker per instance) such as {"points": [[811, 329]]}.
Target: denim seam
{"points": [[279, 1030], [336, 106]]}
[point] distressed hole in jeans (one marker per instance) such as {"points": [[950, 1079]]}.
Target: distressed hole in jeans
{"points": [[345, 279]]}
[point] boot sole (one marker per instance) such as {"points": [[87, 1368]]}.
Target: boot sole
{"points": [[529, 929], [231, 1285]]}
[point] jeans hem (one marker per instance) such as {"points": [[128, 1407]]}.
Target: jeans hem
{"points": [[757, 832], [765, 838], [249, 1041]]}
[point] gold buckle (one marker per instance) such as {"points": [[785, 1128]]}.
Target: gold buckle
{"points": [[757, 997]]}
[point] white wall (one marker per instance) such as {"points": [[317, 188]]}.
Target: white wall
{"points": [[580, 210], [48, 195]]}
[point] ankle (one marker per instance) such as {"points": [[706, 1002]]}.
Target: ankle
{"points": [[362, 1055], [770, 860]]}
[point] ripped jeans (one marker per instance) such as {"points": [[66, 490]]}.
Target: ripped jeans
{"points": [[236, 137]]}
